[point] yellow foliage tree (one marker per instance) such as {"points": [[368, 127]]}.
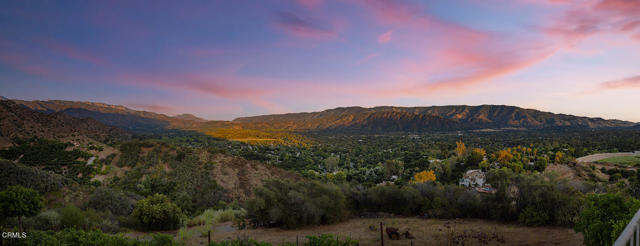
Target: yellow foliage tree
{"points": [[504, 156], [461, 149], [423, 177], [559, 157]]}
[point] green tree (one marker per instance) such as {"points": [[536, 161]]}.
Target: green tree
{"points": [[19, 201], [604, 217], [157, 212]]}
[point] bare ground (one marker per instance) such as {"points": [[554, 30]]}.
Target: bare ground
{"points": [[426, 231]]}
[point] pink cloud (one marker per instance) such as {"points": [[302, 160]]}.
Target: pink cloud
{"points": [[384, 38], [457, 56], [73, 52], [626, 83], [585, 19]]}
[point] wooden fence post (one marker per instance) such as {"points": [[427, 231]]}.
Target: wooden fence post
{"points": [[209, 241], [381, 235], [297, 240]]}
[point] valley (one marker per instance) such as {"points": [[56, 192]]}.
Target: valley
{"points": [[330, 174]]}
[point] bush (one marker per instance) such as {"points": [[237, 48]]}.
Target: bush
{"points": [[74, 237], [29, 177], [322, 240], [604, 217], [115, 201], [292, 205], [328, 239], [532, 216], [157, 212], [47, 220], [72, 217]]}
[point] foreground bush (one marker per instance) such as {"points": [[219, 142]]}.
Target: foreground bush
{"points": [[72, 237], [21, 202], [293, 205], [604, 217], [322, 240], [157, 212]]}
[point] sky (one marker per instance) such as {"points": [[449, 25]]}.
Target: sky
{"points": [[223, 59]]}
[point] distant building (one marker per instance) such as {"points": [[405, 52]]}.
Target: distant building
{"points": [[473, 178]]}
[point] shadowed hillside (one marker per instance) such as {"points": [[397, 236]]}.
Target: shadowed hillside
{"points": [[17, 121]]}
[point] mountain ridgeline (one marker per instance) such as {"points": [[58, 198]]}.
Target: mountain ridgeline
{"points": [[345, 119], [435, 118], [17, 121]]}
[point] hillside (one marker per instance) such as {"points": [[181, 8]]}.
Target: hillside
{"points": [[348, 119], [440, 118], [114, 115], [17, 121]]}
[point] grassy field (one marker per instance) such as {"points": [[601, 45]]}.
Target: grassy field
{"points": [[622, 160], [425, 231]]}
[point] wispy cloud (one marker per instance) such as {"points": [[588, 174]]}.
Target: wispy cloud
{"points": [[584, 19], [303, 27], [384, 38], [73, 52], [626, 83]]}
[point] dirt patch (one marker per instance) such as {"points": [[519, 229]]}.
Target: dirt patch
{"points": [[426, 232], [240, 176], [563, 171]]}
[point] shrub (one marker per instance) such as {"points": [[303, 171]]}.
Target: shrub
{"points": [[72, 217], [157, 212], [328, 239], [92, 238], [604, 217], [532, 216], [47, 220], [115, 201], [29, 177], [292, 205]]}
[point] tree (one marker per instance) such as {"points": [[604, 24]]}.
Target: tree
{"points": [[392, 167], [541, 164], [157, 212], [476, 156], [504, 157], [559, 157], [604, 217], [19, 201], [423, 177], [461, 149]]}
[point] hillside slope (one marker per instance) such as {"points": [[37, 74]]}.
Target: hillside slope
{"points": [[442, 118], [114, 115], [17, 121]]}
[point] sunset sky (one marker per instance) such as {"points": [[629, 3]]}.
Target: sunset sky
{"points": [[224, 59]]}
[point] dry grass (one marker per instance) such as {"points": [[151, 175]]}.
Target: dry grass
{"points": [[426, 231], [597, 157]]}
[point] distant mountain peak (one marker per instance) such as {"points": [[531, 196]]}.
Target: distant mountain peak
{"points": [[190, 117]]}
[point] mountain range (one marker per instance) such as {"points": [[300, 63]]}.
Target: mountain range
{"points": [[357, 119], [434, 118], [17, 121]]}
